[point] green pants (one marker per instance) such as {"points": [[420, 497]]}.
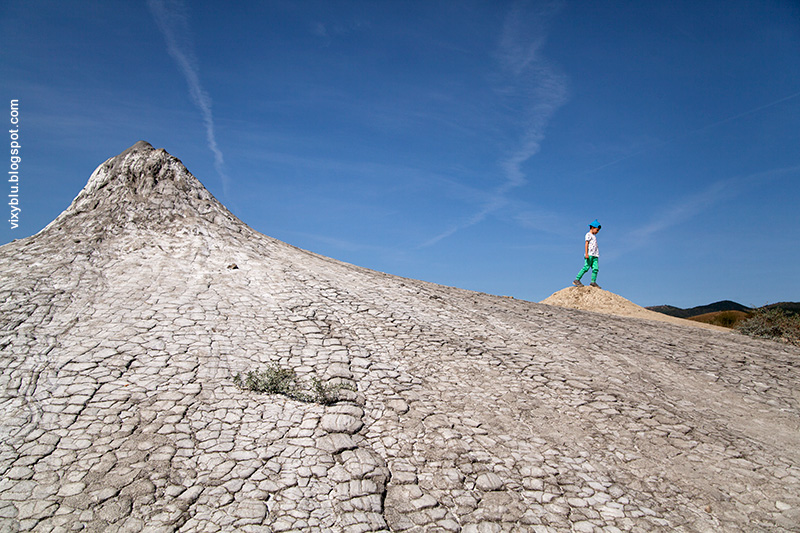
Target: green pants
{"points": [[591, 262]]}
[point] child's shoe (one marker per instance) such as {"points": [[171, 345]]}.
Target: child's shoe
{"points": [[595, 285], [577, 283]]}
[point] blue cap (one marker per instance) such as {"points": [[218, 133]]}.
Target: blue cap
{"points": [[595, 224]]}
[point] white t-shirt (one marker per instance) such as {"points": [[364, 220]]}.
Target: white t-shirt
{"points": [[592, 240]]}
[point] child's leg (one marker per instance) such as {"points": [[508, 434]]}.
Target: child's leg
{"points": [[587, 264], [595, 267]]}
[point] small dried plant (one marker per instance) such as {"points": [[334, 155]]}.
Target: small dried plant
{"points": [[277, 380]]}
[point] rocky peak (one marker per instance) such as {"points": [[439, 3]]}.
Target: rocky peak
{"points": [[142, 188]]}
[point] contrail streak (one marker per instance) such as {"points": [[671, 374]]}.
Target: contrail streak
{"points": [[172, 21], [540, 87]]}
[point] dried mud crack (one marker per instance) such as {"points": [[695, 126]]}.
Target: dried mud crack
{"points": [[124, 324]]}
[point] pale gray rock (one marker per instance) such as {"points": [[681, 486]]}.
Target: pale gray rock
{"points": [[124, 322]]}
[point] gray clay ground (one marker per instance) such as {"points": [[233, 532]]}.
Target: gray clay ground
{"points": [[124, 322]]}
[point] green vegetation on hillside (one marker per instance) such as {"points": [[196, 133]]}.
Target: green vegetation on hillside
{"points": [[725, 319], [277, 380], [772, 323]]}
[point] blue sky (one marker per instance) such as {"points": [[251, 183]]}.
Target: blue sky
{"points": [[464, 143]]}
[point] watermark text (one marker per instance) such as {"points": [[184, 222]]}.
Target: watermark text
{"points": [[14, 165]]}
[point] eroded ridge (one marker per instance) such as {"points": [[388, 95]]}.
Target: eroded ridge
{"points": [[125, 321]]}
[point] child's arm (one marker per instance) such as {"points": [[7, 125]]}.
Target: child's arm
{"points": [[586, 250]]}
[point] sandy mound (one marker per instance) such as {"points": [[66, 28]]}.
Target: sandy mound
{"points": [[600, 301]]}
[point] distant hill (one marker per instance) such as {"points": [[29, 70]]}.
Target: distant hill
{"points": [[670, 310], [717, 307], [725, 319], [724, 305], [792, 308]]}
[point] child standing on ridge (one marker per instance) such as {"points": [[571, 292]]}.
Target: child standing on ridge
{"points": [[591, 256]]}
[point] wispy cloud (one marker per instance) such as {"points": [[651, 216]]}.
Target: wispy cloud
{"points": [[531, 88], [654, 143], [329, 30], [682, 211], [173, 22], [692, 205], [345, 245]]}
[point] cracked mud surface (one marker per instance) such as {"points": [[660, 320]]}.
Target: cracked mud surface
{"points": [[125, 321]]}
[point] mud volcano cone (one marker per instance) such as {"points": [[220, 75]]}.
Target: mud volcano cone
{"points": [[126, 320]]}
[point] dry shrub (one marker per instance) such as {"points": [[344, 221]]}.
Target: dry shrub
{"points": [[277, 380], [772, 323]]}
